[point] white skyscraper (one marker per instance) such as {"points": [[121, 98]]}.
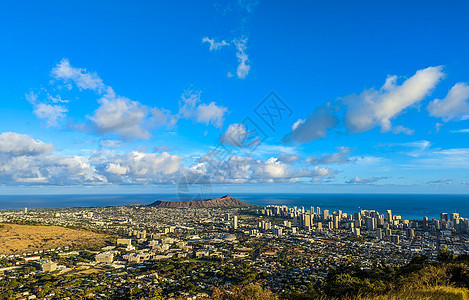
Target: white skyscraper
{"points": [[235, 222]]}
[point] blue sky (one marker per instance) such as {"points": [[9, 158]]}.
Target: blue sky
{"points": [[118, 97]]}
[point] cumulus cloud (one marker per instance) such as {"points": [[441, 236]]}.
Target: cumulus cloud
{"points": [[121, 116], [357, 180], [22, 144], [24, 160], [238, 136], [455, 106], [319, 173], [312, 128], [374, 108], [213, 44], [211, 114], [118, 115], [138, 167], [246, 169], [192, 108], [116, 169], [50, 113]]}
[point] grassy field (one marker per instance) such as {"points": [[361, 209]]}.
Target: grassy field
{"points": [[26, 238]]}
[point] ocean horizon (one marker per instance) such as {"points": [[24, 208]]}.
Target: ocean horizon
{"points": [[409, 206]]}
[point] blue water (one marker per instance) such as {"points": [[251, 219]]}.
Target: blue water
{"points": [[408, 206]]}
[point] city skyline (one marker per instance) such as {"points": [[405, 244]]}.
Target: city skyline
{"points": [[245, 95]]}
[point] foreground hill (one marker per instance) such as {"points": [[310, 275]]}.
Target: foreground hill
{"points": [[446, 278], [16, 238], [420, 279], [225, 201]]}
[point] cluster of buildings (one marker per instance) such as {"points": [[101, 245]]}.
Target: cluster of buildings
{"points": [[383, 226], [284, 247]]}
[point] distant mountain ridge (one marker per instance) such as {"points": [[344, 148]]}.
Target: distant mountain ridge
{"points": [[225, 201]]}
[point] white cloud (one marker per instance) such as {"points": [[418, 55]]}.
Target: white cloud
{"points": [[237, 136], [374, 108], [246, 169], [116, 169], [335, 158], [163, 117], [457, 158], [357, 180], [121, 116], [117, 115], [401, 129], [81, 77], [213, 44], [419, 147], [27, 161], [31, 97], [243, 59], [57, 99], [110, 143], [368, 160], [24, 160], [466, 130], [211, 114], [438, 181], [274, 168], [322, 172], [50, 113], [454, 106], [314, 127], [138, 167], [22, 144], [288, 158], [192, 108]]}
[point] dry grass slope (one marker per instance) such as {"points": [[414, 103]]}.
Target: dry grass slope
{"points": [[26, 238], [427, 293]]}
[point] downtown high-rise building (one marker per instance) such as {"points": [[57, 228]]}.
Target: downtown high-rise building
{"points": [[388, 216], [235, 222]]}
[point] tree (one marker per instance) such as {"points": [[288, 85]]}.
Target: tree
{"points": [[445, 255]]}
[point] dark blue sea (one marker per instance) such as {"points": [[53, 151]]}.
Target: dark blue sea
{"points": [[409, 206]]}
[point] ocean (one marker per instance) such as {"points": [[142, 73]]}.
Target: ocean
{"points": [[409, 206]]}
